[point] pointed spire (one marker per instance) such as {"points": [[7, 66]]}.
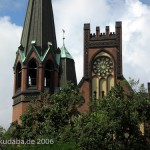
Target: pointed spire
{"points": [[67, 65], [39, 26], [64, 51]]}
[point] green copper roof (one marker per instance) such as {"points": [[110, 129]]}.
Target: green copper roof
{"points": [[41, 58], [65, 53]]}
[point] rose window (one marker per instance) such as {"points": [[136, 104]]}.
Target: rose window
{"points": [[103, 66]]}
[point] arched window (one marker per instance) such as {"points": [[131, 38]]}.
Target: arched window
{"points": [[18, 76], [32, 73], [95, 87], [110, 82], [102, 87], [103, 70], [49, 75]]}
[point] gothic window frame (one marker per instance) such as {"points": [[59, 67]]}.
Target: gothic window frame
{"points": [[49, 69], [18, 76], [109, 81], [103, 53], [100, 53], [102, 91], [103, 70], [32, 73]]}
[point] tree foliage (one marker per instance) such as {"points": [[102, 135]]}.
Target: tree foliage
{"points": [[112, 123], [2, 132], [49, 116]]}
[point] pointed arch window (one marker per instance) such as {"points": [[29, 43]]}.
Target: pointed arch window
{"points": [[110, 82], [95, 87], [49, 75], [102, 87], [32, 73], [103, 70], [18, 75]]}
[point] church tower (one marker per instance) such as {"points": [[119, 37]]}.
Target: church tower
{"points": [[102, 62], [36, 67], [67, 67]]}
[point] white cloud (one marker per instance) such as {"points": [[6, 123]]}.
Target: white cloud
{"points": [[136, 35], [71, 16], [9, 39]]}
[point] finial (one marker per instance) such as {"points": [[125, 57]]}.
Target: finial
{"points": [[63, 36]]}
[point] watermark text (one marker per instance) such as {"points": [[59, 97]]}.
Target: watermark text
{"points": [[26, 142]]}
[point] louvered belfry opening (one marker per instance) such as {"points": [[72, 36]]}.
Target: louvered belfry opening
{"points": [[38, 55], [18, 75], [32, 73], [49, 76]]}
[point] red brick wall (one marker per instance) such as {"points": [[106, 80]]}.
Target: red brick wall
{"points": [[18, 110]]}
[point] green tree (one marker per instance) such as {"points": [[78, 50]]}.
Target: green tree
{"points": [[114, 122], [49, 116], [2, 132], [128, 112]]}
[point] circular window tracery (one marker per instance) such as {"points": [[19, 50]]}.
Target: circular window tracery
{"points": [[103, 66]]}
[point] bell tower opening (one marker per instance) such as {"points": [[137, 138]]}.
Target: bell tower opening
{"points": [[32, 73], [49, 76], [18, 76], [37, 63]]}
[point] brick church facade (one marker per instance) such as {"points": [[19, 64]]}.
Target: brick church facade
{"points": [[102, 62], [40, 66]]}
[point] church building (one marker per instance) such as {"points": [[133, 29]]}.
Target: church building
{"points": [[102, 62], [40, 66]]}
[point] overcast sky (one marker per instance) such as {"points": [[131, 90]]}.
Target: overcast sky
{"points": [[71, 15]]}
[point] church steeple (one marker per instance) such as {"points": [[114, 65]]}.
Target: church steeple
{"points": [[39, 26], [67, 66], [36, 68], [64, 51]]}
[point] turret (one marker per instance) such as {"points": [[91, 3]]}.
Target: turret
{"points": [[67, 65]]}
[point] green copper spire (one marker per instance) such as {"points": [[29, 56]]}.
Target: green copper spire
{"points": [[64, 51], [67, 65], [39, 26]]}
